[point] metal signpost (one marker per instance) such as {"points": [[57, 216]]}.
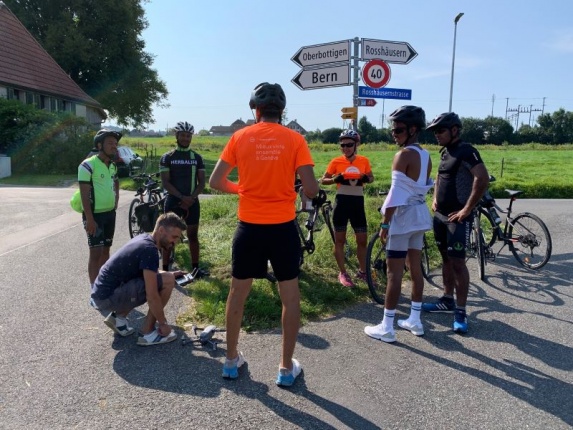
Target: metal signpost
{"points": [[328, 65]]}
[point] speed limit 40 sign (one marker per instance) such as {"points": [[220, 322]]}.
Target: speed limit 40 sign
{"points": [[376, 73]]}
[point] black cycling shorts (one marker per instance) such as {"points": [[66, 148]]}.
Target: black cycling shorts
{"points": [[190, 216], [452, 237], [254, 245], [105, 229], [349, 208]]}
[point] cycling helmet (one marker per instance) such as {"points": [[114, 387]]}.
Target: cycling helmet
{"points": [[268, 95], [103, 133], [184, 126], [445, 120], [410, 115], [350, 134]]}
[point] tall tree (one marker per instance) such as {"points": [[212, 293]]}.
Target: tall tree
{"points": [[98, 43]]}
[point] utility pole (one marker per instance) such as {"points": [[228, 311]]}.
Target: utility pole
{"points": [[506, 106], [492, 102]]}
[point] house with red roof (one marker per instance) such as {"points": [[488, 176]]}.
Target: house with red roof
{"points": [[29, 74]]}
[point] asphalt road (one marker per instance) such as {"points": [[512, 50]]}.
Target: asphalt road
{"points": [[60, 367]]}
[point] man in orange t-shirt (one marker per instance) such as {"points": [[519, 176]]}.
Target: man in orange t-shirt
{"points": [[267, 156], [350, 172]]}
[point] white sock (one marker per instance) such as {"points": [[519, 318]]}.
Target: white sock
{"points": [[120, 321], [415, 311], [151, 336], [388, 320]]}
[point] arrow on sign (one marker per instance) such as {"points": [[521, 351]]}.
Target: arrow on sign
{"points": [[334, 52], [391, 52], [324, 77], [366, 102]]}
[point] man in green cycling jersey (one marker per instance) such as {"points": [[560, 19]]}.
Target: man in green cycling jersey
{"points": [[99, 190]]}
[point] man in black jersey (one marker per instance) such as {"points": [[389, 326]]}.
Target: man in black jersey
{"points": [[461, 182], [183, 176]]}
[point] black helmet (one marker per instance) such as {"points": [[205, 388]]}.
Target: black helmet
{"points": [[410, 115], [268, 95], [103, 133], [445, 120]]}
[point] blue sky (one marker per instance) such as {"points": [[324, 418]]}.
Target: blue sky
{"points": [[211, 55]]}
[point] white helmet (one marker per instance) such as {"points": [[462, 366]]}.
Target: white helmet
{"points": [[184, 126]]}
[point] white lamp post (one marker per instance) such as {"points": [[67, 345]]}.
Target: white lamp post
{"points": [[457, 18]]}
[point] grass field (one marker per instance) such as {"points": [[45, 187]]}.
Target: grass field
{"points": [[539, 170]]}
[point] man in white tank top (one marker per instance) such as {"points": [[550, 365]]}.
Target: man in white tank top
{"points": [[405, 219]]}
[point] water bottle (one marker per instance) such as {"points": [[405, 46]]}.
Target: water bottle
{"points": [[494, 215]]}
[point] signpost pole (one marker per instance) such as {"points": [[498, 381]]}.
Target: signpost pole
{"points": [[355, 76]]}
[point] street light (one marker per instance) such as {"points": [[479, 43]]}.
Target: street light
{"points": [[457, 18]]}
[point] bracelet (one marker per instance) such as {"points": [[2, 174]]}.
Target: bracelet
{"points": [[383, 225]]}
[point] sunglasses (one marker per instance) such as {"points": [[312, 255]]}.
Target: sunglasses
{"points": [[398, 130], [347, 145], [440, 131]]}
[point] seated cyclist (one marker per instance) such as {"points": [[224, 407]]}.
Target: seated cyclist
{"points": [[349, 172]]}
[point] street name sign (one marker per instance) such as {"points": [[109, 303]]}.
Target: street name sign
{"points": [[391, 52], [313, 55], [324, 77], [367, 102], [385, 93]]}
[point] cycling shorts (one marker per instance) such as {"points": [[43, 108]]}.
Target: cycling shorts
{"points": [[105, 229], [451, 237], [190, 216], [398, 245], [254, 245], [349, 208]]}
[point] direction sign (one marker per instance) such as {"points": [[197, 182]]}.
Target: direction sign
{"points": [[366, 102], [376, 73], [324, 77], [349, 113], [334, 52], [391, 52], [385, 93]]}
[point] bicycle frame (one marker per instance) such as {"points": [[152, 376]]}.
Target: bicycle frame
{"points": [[525, 234]]}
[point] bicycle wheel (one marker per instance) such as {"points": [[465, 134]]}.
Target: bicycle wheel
{"points": [[425, 260], [530, 241], [477, 247], [376, 268], [134, 227], [327, 214], [488, 227]]}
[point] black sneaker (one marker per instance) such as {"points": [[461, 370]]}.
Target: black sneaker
{"points": [[200, 273], [443, 304]]}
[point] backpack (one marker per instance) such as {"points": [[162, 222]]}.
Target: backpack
{"points": [[147, 214], [76, 202]]}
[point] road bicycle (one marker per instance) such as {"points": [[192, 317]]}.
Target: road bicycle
{"points": [[376, 266], [525, 234], [147, 205], [310, 218]]}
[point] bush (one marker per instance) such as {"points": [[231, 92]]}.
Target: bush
{"points": [[42, 142]]}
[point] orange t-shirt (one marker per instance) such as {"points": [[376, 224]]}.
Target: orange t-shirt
{"points": [[267, 156], [359, 166]]}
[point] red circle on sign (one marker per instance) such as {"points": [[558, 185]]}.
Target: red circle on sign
{"points": [[376, 73]]}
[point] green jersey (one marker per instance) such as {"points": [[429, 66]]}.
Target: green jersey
{"points": [[102, 178]]}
